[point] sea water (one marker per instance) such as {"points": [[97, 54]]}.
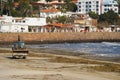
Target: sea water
{"points": [[103, 48]]}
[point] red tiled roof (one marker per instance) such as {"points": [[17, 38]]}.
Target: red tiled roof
{"points": [[18, 18], [50, 10], [58, 25], [51, 3], [16, 4], [75, 1]]}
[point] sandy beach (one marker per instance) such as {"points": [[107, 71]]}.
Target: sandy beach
{"points": [[46, 66]]}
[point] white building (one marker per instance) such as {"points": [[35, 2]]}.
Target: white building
{"points": [[97, 6], [50, 13], [109, 5], [18, 24], [85, 6]]}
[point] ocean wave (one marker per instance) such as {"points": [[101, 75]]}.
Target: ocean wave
{"points": [[109, 55], [111, 43]]}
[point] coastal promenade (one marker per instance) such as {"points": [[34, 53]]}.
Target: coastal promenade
{"points": [[60, 37]]}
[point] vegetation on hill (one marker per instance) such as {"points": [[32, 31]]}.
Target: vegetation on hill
{"points": [[24, 8], [108, 18]]}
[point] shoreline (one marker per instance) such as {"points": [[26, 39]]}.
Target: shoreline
{"points": [[68, 53], [59, 42], [78, 54]]}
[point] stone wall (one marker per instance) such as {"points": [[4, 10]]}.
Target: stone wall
{"points": [[60, 37]]}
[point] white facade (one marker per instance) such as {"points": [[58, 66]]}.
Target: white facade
{"points": [[50, 13], [109, 5], [97, 6], [85, 6], [18, 24]]}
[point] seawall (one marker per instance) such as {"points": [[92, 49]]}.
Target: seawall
{"points": [[60, 37]]}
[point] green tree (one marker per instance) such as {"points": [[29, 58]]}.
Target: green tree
{"points": [[72, 7], [24, 9], [118, 22], [67, 1], [48, 20], [103, 17], [111, 17], [62, 19], [93, 15], [69, 6], [7, 4]]}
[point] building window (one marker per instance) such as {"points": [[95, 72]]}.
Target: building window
{"points": [[90, 2], [79, 6], [115, 9], [16, 21], [105, 5], [97, 9], [97, 2], [105, 9], [23, 21], [116, 5], [79, 2], [12, 20], [86, 2], [90, 6], [97, 5], [79, 10], [109, 5]]}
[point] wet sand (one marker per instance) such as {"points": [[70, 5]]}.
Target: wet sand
{"points": [[78, 54], [47, 66]]}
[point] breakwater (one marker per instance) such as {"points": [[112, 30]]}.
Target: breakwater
{"points": [[60, 37]]}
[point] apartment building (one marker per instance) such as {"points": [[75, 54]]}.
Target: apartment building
{"points": [[97, 6], [108, 5]]}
